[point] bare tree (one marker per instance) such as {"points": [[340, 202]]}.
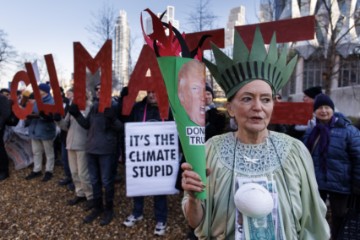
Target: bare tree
{"points": [[335, 30], [102, 25], [7, 52], [25, 57], [102, 28], [202, 18]]}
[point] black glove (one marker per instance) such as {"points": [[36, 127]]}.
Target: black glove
{"points": [[109, 114], [57, 117], [74, 110], [47, 117]]}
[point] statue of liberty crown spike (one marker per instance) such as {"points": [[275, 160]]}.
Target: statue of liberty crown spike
{"points": [[246, 66]]}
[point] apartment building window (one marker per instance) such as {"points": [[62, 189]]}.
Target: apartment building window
{"points": [[290, 86], [313, 70], [349, 71]]}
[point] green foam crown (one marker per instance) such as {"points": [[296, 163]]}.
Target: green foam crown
{"points": [[232, 74]]}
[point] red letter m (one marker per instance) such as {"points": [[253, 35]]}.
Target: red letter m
{"points": [[82, 59]]}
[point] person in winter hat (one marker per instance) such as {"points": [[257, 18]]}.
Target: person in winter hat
{"points": [[42, 132], [334, 144]]}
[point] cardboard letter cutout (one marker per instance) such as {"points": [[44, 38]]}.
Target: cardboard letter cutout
{"points": [[82, 59], [139, 81]]}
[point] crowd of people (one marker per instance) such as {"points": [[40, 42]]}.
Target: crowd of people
{"points": [[89, 145], [298, 171]]}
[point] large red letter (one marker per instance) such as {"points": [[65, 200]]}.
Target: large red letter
{"points": [[57, 107], [82, 59], [139, 81], [20, 112]]}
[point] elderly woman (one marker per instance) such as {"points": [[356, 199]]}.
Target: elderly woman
{"points": [[270, 174], [334, 144]]}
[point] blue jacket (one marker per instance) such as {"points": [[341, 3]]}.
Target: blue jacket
{"points": [[40, 128], [343, 158]]}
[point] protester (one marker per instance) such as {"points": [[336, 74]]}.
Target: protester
{"points": [[334, 144], [42, 131], [272, 164], [67, 180], [298, 131], [123, 118], [209, 98], [5, 92], [12, 119], [311, 93], [215, 121], [5, 112], [101, 145], [145, 111], [75, 146]]}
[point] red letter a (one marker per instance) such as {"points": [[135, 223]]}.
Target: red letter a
{"points": [[139, 81]]}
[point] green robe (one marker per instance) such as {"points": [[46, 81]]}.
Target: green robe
{"points": [[290, 165]]}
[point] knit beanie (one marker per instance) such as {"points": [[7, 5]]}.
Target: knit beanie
{"points": [[313, 91], [44, 87], [209, 89], [4, 90], [323, 100]]}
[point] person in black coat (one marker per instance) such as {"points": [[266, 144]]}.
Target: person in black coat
{"points": [[67, 180], [101, 147], [5, 112], [147, 111]]}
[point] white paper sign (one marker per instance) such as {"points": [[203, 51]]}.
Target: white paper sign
{"points": [[152, 158]]}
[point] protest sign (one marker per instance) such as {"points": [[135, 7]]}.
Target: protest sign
{"points": [[152, 158], [185, 83], [184, 77], [18, 148]]}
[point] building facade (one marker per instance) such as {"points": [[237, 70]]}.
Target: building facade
{"points": [[332, 58], [122, 58], [169, 16], [236, 18]]}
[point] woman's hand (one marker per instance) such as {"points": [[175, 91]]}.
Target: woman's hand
{"points": [[190, 180], [191, 183]]}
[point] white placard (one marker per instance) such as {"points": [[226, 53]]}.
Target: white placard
{"points": [[152, 158]]}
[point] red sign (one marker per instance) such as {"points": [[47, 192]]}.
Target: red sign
{"points": [[139, 80], [289, 30], [283, 113], [292, 113], [103, 60]]}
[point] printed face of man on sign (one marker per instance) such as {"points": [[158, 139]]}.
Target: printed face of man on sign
{"points": [[191, 90]]}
